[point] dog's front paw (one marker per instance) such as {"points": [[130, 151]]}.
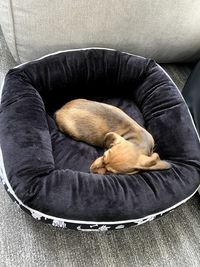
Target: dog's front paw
{"points": [[98, 166], [99, 170]]}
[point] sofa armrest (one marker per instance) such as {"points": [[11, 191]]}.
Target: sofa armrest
{"points": [[6, 59]]}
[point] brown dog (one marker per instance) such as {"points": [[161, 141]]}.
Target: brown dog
{"points": [[130, 147]]}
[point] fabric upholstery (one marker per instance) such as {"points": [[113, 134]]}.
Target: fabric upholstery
{"points": [[167, 31]]}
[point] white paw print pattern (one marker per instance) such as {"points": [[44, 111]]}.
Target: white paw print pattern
{"points": [[58, 223], [148, 219], [119, 227], [36, 215], [102, 228], [1, 176]]}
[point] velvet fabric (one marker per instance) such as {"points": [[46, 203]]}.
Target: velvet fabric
{"points": [[49, 172]]}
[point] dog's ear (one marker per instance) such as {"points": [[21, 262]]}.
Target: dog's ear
{"points": [[111, 139], [98, 166], [152, 163]]}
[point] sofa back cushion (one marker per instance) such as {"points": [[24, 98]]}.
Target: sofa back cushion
{"points": [[167, 31]]}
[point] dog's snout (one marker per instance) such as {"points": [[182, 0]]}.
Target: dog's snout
{"points": [[98, 166]]}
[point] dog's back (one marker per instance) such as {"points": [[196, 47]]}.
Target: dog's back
{"points": [[90, 121]]}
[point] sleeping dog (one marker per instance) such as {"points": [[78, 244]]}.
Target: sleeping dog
{"points": [[129, 146]]}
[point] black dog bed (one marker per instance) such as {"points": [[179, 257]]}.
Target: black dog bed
{"points": [[47, 174]]}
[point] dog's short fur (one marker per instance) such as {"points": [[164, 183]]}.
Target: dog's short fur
{"points": [[129, 146]]}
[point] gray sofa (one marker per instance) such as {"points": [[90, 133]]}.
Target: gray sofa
{"points": [[167, 31]]}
